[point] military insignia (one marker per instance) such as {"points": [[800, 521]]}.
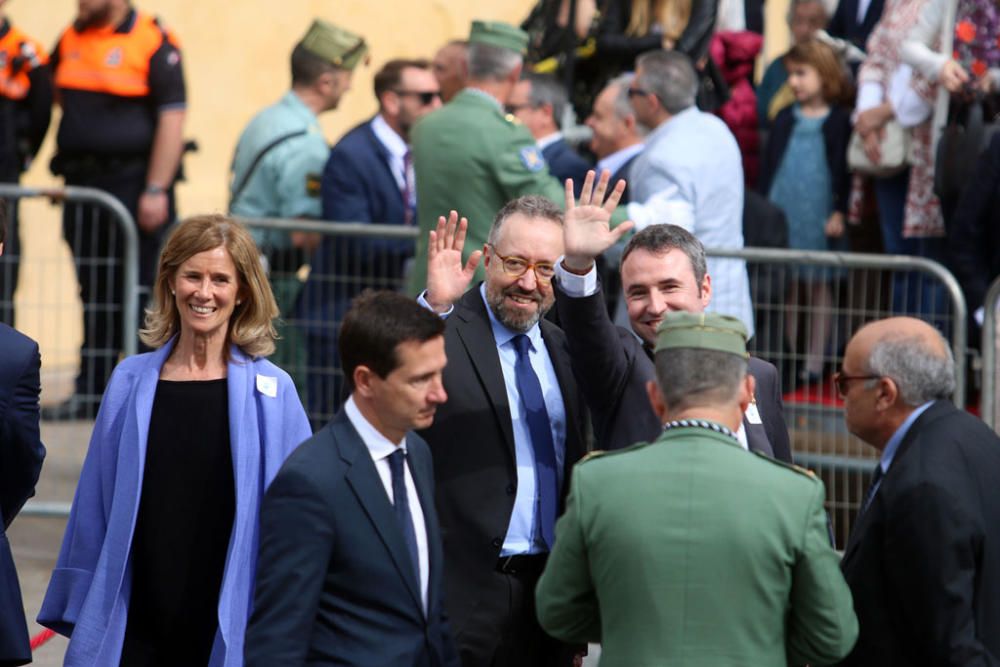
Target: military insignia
{"points": [[114, 57], [312, 185], [532, 159]]}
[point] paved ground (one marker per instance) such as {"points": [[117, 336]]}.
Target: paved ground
{"points": [[36, 540]]}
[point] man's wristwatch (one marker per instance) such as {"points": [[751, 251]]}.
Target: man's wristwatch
{"points": [[152, 189]]}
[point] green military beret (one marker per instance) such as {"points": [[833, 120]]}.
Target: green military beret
{"points": [[496, 33], [705, 331], [340, 47]]}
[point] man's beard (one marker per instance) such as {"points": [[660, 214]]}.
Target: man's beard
{"points": [[516, 320], [95, 18]]}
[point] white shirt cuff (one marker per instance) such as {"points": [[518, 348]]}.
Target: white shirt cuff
{"points": [[422, 300], [870, 95], [575, 285]]}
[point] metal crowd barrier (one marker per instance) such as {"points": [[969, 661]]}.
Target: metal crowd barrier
{"points": [[50, 306], [988, 406], [806, 306]]}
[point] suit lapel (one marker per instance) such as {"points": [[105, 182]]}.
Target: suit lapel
{"points": [[757, 438], [477, 337], [384, 159], [426, 496], [367, 486]]}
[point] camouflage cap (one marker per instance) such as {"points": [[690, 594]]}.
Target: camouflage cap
{"points": [[497, 33], [705, 331], [340, 47]]}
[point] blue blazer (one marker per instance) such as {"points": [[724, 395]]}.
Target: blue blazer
{"points": [[21, 454], [335, 583], [357, 186], [88, 595], [565, 163]]}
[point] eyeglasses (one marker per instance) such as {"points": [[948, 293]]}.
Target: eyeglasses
{"points": [[517, 266], [842, 382], [514, 108], [426, 96]]}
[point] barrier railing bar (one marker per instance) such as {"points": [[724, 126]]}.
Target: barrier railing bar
{"points": [[987, 395]]}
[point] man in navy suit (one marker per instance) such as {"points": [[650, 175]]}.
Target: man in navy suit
{"points": [[368, 178], [351, 570], [21, 454], [539, 101]]}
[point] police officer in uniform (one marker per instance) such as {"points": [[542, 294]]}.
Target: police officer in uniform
{"points": [[690, 550], [472, 157], [279, 160], [120, 84], [25, 110]]}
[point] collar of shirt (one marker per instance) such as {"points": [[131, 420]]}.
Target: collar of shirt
{"points": [[548, 140], [675, 121], [478, 92], [387, 136], [503, 334], [890, 447], [295, 104], [378, 445], [617, 160]]}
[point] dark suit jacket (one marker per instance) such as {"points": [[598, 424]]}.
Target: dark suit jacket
{"points": [[844, 23], [473, 444], [21, 454], [565, 163], [335, 584], [923, 561], [612, 367], [357, 186]]}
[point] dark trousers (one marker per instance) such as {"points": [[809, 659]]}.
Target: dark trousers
{"points": [[503, 630], [11, 258], [98, 246]]}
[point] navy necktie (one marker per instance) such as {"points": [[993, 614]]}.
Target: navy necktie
{"points": [[870, 494], [397, 465], [542, 446]]}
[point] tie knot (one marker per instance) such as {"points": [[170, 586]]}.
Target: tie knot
{"points": [[522, 344], [396, 460]]}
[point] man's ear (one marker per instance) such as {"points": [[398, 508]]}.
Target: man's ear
{"points": [[656, 400], [363, 379], [747, 389], [886, 393], [515, 74]]}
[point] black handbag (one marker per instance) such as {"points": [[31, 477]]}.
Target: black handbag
{"points": [[970, 127]]}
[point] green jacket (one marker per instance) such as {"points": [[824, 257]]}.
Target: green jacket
{"points": [[691, 551], [469, 157]]}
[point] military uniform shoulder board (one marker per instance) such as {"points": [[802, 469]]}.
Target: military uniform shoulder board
{"points": [[531, 158], [791, 466]]}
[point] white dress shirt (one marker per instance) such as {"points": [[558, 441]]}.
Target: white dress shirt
{"points": [[379, 447], [578, 286], [691, 175], [396, 147], [548, 140], [618, 159]]}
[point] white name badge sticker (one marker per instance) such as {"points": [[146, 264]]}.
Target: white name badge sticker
{"points": [[267, 385], [752, 415]]}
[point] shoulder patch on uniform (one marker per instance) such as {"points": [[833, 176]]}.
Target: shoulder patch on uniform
{"points": [[312, 185], [531, 158], [784, 464]]}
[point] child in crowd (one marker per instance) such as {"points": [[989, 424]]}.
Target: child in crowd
{"points": [[804, 173]]}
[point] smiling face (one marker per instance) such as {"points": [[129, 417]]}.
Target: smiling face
{"points": [[206, 291], [520, 301], [658, 283]]}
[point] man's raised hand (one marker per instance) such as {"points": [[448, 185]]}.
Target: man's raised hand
{"points": [[447, 277], [587, 230]]}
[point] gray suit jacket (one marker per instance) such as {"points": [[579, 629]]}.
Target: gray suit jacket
{"points": [[612, 368]]}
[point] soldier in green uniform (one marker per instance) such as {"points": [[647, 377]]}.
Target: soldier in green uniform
{"points": [[279, 160], [690, 550], [470, 155]]}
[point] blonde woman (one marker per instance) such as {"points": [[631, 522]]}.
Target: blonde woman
{"points": [[157, 562], [631, 27]]}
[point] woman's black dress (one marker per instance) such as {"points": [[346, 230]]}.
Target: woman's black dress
{"points": [[182, 530]]}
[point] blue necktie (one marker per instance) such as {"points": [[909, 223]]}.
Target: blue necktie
{"points": [[397, 463], [542, 446]]}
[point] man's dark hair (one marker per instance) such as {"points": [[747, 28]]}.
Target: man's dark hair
{"points": [[658, 239], [3, 220], [376, 324], [390, 77], [307, 66]]}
